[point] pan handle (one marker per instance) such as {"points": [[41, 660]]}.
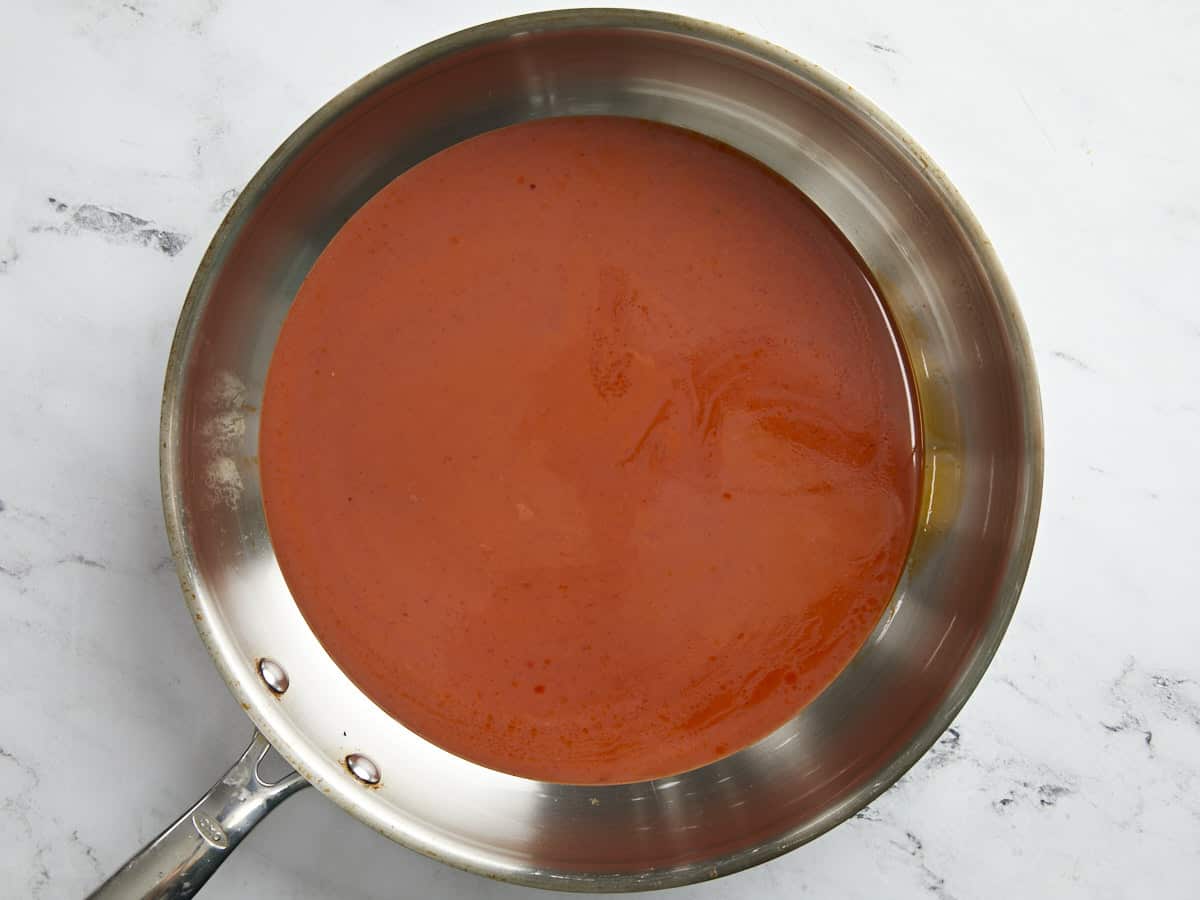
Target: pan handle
{"points": [[177, 863]]}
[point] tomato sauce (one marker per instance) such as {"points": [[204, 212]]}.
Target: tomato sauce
{"points": [[588, 451]]}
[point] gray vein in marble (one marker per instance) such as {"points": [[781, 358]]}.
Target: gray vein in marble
{"points": [[1173, 706], [946, 750], [41, 878], [1035, 786], [18, 804], [933, 882], [89, 851], [200, 23], [1073, 360], [20, 513], [1127, 722], [1021, 692], [885, 54], [17, 571], [27, 770], [226, 199], [1045, 794], [1033, 116], [80, 560], [56, 551], [215, 132], [911, 845], [1185, 409], [114, 225], [1168, 694], [1049, 794]]}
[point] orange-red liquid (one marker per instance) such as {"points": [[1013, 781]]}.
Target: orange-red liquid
{"points": [[588, 452]]}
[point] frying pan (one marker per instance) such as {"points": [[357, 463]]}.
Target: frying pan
{"points": [[979, 413]]}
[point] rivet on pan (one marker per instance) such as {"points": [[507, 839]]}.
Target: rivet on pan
{"points": [[272, 673], [362, 768]]}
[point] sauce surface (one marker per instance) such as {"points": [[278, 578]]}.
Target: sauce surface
{"points": [[587, 451]]}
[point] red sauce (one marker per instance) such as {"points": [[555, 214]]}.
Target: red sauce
{"points": [[587, 450]]}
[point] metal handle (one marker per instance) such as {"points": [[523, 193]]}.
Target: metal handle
{"points": [[176, 864]]}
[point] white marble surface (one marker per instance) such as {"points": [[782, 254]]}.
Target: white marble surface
{"points": [[127, 128]]}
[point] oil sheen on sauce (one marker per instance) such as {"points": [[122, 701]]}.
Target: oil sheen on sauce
{"points": [[588, 452]]}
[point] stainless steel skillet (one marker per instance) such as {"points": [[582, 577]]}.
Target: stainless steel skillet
{"points": [[981, 426]]}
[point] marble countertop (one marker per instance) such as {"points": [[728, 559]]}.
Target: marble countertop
{"points": [[129, 127]]}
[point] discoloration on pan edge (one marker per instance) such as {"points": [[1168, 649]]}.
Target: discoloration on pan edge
{"points": [[918, 297]]}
